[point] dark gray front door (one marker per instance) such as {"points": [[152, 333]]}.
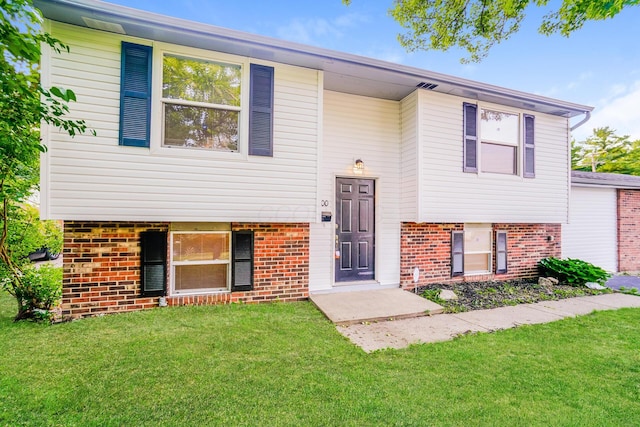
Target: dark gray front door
{"points": [[354, 229]]}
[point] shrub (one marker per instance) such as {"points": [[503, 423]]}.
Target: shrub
{"points": [[40, 292], [574, 272]]}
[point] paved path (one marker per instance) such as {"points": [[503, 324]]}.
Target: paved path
{"points": [[621, 281], [443, 327]]}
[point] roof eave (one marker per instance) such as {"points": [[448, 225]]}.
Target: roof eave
{"points": [[400, 80]]}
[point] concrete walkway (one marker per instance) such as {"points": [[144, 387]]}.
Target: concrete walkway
{"points": [[347, 308], [401, 333]]}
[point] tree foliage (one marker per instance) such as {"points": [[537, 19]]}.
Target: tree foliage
{"points": [[604, 151], [477, 25], [24, 104]]}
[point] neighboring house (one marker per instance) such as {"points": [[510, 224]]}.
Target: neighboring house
{"points": [[234, 167], [604, 221]]}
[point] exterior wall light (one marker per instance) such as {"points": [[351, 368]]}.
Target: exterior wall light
{"points": [[358, 167]]}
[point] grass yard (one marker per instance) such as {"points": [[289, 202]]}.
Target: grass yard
{"points": [[284, 364]]}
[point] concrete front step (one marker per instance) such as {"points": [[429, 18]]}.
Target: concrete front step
{"points": [[348, 308]]}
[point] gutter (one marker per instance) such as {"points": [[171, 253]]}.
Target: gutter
{"points": [[587, 116]]}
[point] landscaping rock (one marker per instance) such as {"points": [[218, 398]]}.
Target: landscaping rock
{"points": [[447, 295], [594, 285], [547, 282]]}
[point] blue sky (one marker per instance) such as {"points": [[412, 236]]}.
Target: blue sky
{"points": [[598, 65]]}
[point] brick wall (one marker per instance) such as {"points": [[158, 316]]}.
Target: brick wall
{"points": [[629, 230], [428, 247], [101, 268], [280, 266], [101, 265]]}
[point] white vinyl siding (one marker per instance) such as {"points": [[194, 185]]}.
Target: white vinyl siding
{"points": [[410, 196], [591, 234], [357, 127], [449, 195], [93, 178]]}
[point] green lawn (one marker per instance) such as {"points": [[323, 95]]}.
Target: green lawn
{"points": [[284, 364]]}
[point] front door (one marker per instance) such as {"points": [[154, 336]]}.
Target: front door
{"points": [[354, 229]]}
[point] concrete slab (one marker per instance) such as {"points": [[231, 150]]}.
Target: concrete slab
{"points": [[507, 317], [402, 333], [367, 306], [615, 300], [568, 307]]}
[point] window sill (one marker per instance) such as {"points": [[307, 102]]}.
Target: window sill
{"points": [[197, 154], [199, 292]]}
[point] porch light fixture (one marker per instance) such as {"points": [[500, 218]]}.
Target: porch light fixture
{"points": [[358, 167]]}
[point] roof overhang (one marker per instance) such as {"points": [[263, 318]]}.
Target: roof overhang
{"points": [[604, 180], [343, 72]]}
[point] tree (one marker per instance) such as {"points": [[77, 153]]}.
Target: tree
{"points": [[24, 104], [477, 25], [604, 151]]}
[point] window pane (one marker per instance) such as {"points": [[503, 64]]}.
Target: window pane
{"points": [[476, 262], [496, 126], [194, 277], [199, 127], [477, 240], [498, 158], [200, 246], [200, 81]]}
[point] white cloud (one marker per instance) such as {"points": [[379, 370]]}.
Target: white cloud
{"points": [[311, 30], [620, 110]]}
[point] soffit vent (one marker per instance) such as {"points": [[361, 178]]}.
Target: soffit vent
{"points": [[103, 25], [425, 85]]}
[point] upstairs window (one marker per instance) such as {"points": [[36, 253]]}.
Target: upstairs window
{"points": [[499, 141], [200, 103], [495, 140]]}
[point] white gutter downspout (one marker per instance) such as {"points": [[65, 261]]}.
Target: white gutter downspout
{"points": [[587, 116]]}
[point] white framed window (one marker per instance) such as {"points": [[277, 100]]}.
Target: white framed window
{"points": [[477, 248], [201, 103], [200, 261], [499, 140]]}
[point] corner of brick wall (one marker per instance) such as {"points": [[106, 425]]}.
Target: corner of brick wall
{"points": [[629, 230], [101, 268], [428, 247]]}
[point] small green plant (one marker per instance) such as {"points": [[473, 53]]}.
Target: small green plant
{"points": [[433, 295], [629, 291], [574, 272]]}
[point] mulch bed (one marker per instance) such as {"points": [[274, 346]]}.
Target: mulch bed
{"points": [[484, 295]]}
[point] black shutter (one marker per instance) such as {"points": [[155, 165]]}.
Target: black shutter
{"points": [[261, 111], [470, 143], [501, 252], [242, 261], [529, 147], [135, 95], [153, 263], [457, 253]]}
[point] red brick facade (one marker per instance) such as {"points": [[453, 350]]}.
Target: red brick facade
{"points": [[101, 264], [428, 247], [629, 230]]}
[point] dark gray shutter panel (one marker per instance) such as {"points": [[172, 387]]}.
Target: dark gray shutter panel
{"points": [[261, 111], [529, 146], [457, 253], [470, 143], [242, 261], [501, 252], [153, 263], [135, 95]]}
